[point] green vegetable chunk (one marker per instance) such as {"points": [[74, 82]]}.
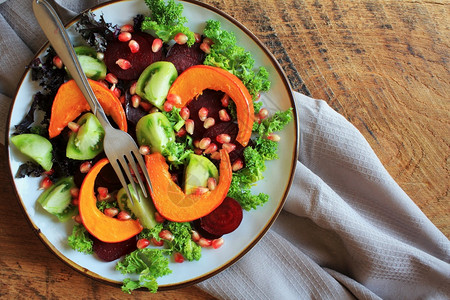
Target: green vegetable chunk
{"points": [[91, 65], [144, 209], [79, 240], [155, 81], [87, 142], [197, 173], [56, 199], [35, 147], [154, 130]]}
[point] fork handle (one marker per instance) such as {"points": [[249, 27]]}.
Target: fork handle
{"points": [[54, 29]]}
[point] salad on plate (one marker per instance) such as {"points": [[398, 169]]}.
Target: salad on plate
{"points": [[190, 100]]}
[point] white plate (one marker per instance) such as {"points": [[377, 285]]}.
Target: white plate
{"points": [[278, 175]]}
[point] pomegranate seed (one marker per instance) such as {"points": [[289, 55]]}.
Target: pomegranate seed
{"points": [[185, 113], [145, 105], [274, 137], [123, 216], [166, 235], [168, 106], [203, 113], [180, 38], [57, 62], [174, 177], [215, 155], [85, 167], [144, 150], [100, 56], [205, 48], [122, 99], [189, 126], [174, 99], [258, 96], [134, 46], [45, 183], [116, 91], [159, 218], [124, 36], [157, 45], [133, 88], [104, 83], [157, 243], [257, 119], [111, 212], [153, 109], [217, 243], [102, 191], [200, 190], [135, 100], [198, 37], [202, 242], [178, 257], [198, 151], [208, 41], [209, 122], [182, 132], [74, 127], [224, 116], [237, 165], [263, 113], [195, 236], [111, 78], [211, 148], [204, 143], [212, 183], [196, 143], [49, 172], [142, 243], [75, 201], [223, 138], [127, 28], [225, 100], [229, 147], [77, 219], [74, 192], [123, 64]]}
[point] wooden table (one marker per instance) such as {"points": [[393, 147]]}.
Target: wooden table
{"points": [[384, 65]]}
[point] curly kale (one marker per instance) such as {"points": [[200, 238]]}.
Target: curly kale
{"points": [[80, 241], [96, 33], [167, 20]]}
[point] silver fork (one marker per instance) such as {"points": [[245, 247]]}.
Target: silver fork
{"points": [[119, 146]]}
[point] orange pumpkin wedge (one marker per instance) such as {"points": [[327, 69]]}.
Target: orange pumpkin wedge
{"points": [[106, 229], [69, 103], [172, 203], [194, 80]]}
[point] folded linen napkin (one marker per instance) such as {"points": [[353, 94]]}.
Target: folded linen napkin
{"points": [[347, 229]]}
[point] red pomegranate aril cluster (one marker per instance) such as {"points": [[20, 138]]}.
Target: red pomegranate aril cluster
{"points": [[111, 78], [228, 147], [123, 216], [202, 242], [73, 126], [263, 113], [111, 212], [46, 182], [185, 113], [205, 48], [134, 46], [237, 165], [157, 45], [215, 155], [180, 38], [174, 99], [209, 122], [217, 243], [223, 138], [156, 242], [123, 64], [135, 100], [212, 183], [224, 116], [85, 167], [195, 236], [159, 218], [124, 36], [203, 113], [144, 150], [211, 148], [57, 62], [178, 257], [189, 125], [127, 28], [168, 106], [200, 190], [182, 132], [166, 235], [132, 89], [225, 100], [142, 243], [204, 143], [274, 137]]}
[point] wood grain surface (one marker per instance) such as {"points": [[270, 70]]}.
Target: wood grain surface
{"points": [[384, 65]]}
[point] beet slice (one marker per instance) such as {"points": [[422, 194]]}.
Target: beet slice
{"points": [[113, 251], [224, 219], [183, 56], [139, 61]]}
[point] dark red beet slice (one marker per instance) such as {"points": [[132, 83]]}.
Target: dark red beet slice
{"points": [[224, 219], [113, 251], [139, 61], [133, 115], [183, 56]]}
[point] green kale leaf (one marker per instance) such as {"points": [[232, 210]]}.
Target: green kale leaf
{"points": [[79, 240], [183, 242], [227, 55], [167, 20], [275, 123]]}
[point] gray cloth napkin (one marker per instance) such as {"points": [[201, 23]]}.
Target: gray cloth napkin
{"points": [[347, 229]]}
